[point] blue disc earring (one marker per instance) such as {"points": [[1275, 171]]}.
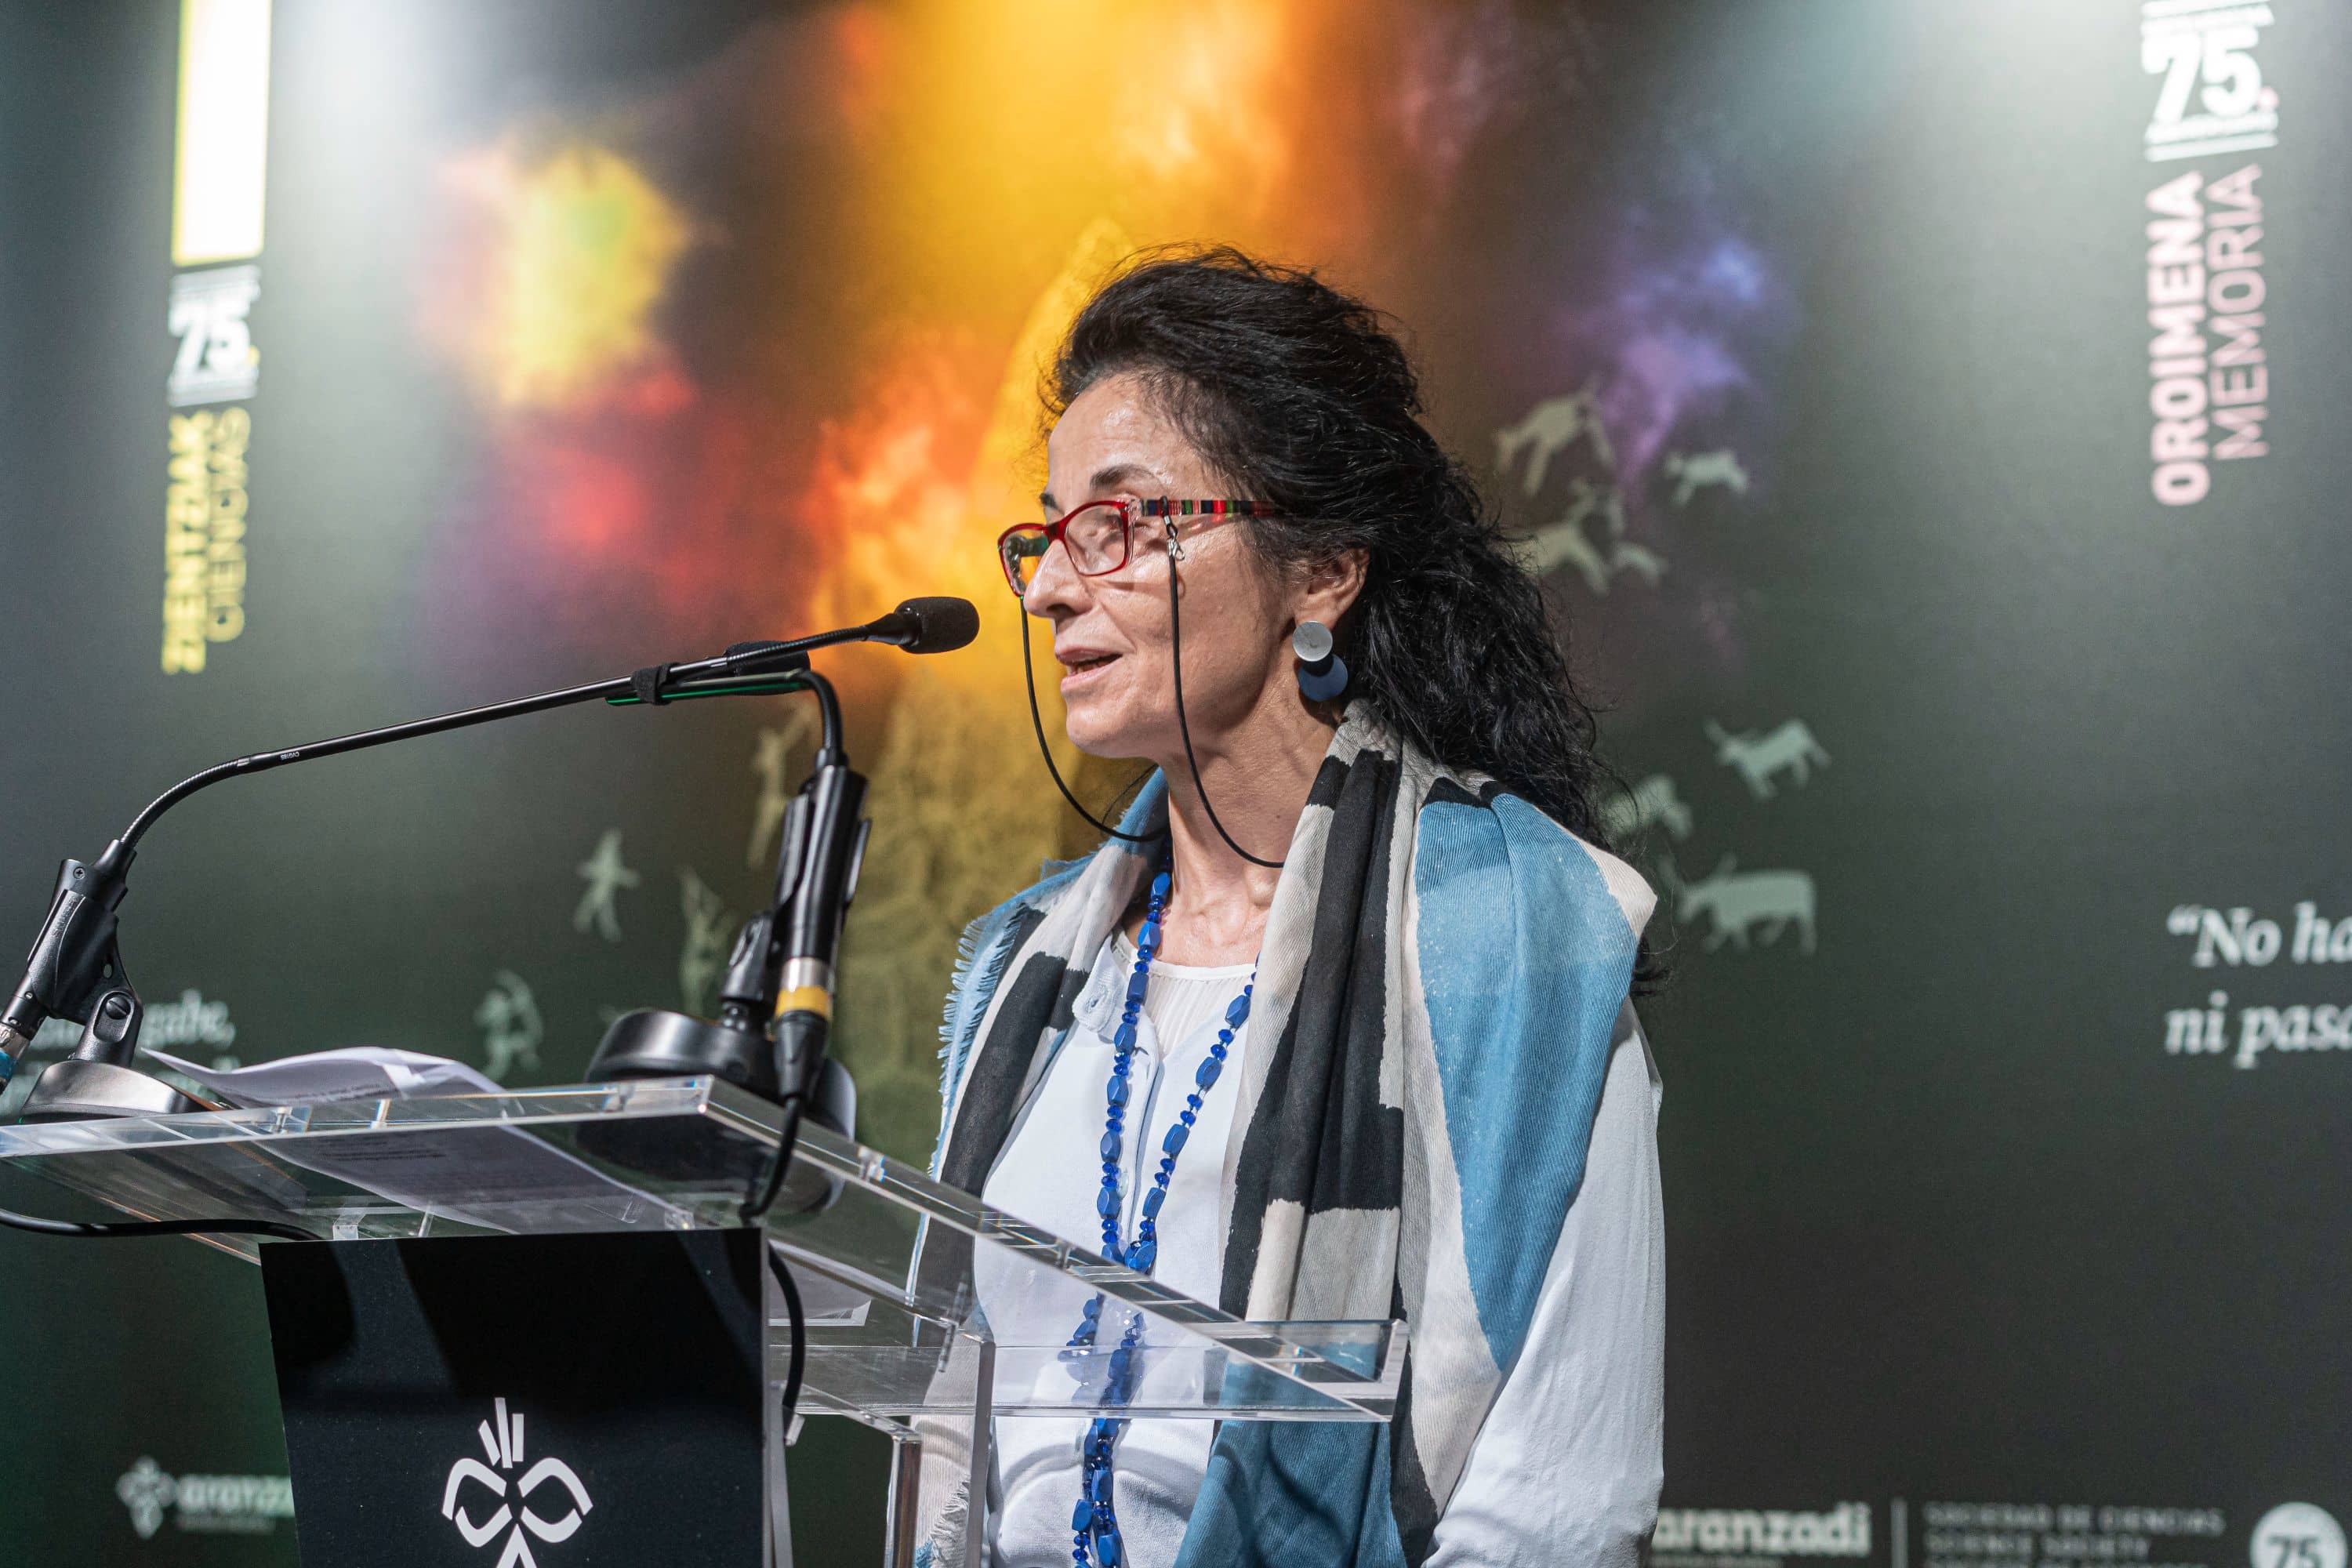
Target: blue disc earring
{"points": [[1322, 673]]}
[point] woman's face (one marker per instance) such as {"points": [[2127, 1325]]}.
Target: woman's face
{"points": [[1111, 633]]}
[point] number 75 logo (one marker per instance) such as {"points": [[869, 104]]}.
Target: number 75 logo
{"points": [[2221, 57], [2298, 1535], [210, 315]]}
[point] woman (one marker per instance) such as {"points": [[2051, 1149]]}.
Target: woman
{"points": [[1337, 1024]]}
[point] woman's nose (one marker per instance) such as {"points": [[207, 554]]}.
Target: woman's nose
{"points": [[1056, 583]]}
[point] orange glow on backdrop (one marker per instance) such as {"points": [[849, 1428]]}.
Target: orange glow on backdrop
{"points": [[1205, 106], [889, 488], [906, 186], [754, 344]]}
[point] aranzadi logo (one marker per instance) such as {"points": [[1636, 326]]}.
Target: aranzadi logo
{"points": [[502, 1446], [218, 1505], [1690, 1534]]}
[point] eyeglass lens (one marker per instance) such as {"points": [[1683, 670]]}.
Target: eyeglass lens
{"points": [[1095, 535]]}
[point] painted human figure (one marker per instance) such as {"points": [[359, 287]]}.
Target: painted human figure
{"points": [[708, 928], [510, 1024], [606, 877]]}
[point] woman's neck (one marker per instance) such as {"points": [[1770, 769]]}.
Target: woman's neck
{"points": [[1258, 779]]}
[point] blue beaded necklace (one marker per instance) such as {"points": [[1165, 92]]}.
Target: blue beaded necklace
{"points": [[1093, 1523]]}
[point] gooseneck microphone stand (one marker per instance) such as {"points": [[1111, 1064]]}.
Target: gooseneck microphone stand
{"points": [[775, 1001], [76, 970]]}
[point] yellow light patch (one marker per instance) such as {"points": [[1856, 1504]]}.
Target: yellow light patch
{"points": [[222, 156], [586, 252]]}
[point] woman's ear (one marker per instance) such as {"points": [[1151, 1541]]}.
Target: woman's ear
{"points": [[1329, 587]]}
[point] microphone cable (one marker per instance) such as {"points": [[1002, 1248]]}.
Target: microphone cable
{"points": [[1183, 727], [799, 1322], [788, 1132], [1037, 728], [103, 1228]]}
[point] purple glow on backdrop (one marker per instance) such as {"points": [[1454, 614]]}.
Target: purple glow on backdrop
{"points": [[1679, 337]]}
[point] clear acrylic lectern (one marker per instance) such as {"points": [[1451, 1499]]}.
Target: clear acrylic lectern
{"points": [[928, 1312]]}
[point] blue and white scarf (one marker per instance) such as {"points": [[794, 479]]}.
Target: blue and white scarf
{"points": [[1442, 972]]}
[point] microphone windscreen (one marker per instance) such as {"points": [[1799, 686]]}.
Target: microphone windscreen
{"points": [[937, 625]]}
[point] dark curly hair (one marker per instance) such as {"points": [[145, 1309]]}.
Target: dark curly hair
{"points": [[1302, 396]]}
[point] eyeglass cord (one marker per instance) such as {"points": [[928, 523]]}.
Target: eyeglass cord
{"points": [[1183, 727], [1176, 662], [1037, 727]]}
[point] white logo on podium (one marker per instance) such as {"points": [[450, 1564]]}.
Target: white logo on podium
{"points": [[502, 1444], [146, 1491]]}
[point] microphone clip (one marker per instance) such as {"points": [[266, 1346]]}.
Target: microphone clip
{"points": [[76, 973], [76, 959], [98, 1079], [752, 669]]}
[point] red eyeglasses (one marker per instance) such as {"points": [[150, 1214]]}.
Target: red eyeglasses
{"points": [[1097, 536]]}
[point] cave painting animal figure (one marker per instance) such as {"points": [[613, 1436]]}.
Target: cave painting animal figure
{"points": [[1694, 471], [1757, 757], [1550, 429], [1565, 543], [1654, 802], [1737, 901]]}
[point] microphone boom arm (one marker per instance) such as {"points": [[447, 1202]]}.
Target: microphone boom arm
{"points": [[75, 961]]}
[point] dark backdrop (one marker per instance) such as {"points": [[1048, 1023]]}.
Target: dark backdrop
{"points": [[1807, 346]]}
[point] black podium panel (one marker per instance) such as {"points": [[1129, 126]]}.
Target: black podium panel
{"points": [[549, 1401]]}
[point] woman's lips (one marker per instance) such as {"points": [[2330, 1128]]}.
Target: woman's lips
{"points": [[1086, 668]]}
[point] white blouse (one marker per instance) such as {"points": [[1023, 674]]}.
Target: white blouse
{"points": [[1566, 1468]]}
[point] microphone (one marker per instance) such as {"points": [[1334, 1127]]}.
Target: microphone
{"points": [[825, 849], [918, 626], [928, 625], [75, 961], [775, 1003]]}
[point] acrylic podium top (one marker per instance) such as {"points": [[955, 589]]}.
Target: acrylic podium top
{"points": [[902, 1278]]}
